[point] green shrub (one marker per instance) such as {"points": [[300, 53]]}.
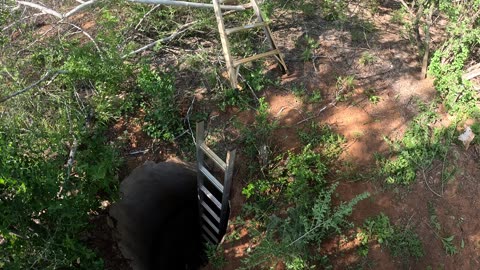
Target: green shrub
{"points": [[401, 242], [162, 116], [322, 137], [418, 148], [293, 208], [448, 63], [45, 207]]}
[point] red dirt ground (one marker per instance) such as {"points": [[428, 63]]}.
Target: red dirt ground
{"points": [[394, 78]]}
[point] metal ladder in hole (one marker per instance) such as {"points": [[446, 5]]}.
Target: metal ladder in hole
{"points": [[234, 65], [212, 194]]}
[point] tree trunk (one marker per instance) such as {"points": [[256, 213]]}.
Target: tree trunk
{"points": [[426, 45]]}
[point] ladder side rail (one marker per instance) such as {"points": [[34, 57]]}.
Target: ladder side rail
{"points": [[209, 152], [269, 35], [199, 140], [227, 185], [232, 72]]}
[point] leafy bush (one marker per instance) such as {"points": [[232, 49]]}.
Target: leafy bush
{"points": [[55, 162], [324, 138], [162, 116], [401, 242], [44, 206], [418, 148], [334, 10], [449, 60], [293, 208]]}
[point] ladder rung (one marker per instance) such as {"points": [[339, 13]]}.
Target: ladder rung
{"points": [[209, 233], [211, 212], [220, 163], [255, 57], [211, 197], [210, 224], [212, 178], [229, 31], [205, 237], [213, 156]]}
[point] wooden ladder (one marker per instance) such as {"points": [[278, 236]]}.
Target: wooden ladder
{"points": [[212, 194], [233, 65]]}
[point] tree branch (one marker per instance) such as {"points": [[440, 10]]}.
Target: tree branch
{"points": [[189, 4], [41, 8], [55, 13], [472, 74], [46, 76], [180, 30], [79, 8]]}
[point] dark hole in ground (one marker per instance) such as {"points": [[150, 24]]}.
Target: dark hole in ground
{"points": [[157, 219]]}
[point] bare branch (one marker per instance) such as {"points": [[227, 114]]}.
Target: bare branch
{"points": [[88, 36], [472, 74], [188, 4], [46, 76], [146, 15], [476, 66], [41, 8], [79, 8], [55, 13], [181, 30]]}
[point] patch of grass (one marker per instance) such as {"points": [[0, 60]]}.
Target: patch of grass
{"points": [[333, 10], [215, 256], [433, 217], [315, 97], [398, 16], [309, 51], [256, 79], [300, 92], [367, 59], [371, 95], [476, 130], [402, 242], [324, 138], [234, 98], [361, 30], [447, 242], [345, 85]]}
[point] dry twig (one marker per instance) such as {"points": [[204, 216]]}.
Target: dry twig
{"points": [[180, 30]]}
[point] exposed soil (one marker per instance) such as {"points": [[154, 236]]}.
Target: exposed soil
{"points": [[394, 77]]}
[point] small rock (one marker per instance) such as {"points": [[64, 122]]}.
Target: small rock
{"points": [[467, 137]]}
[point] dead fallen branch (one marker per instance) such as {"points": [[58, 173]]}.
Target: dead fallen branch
{"points": [[188, 4], [180, 31], [472, 74], [46, 76], [55, 13]]}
